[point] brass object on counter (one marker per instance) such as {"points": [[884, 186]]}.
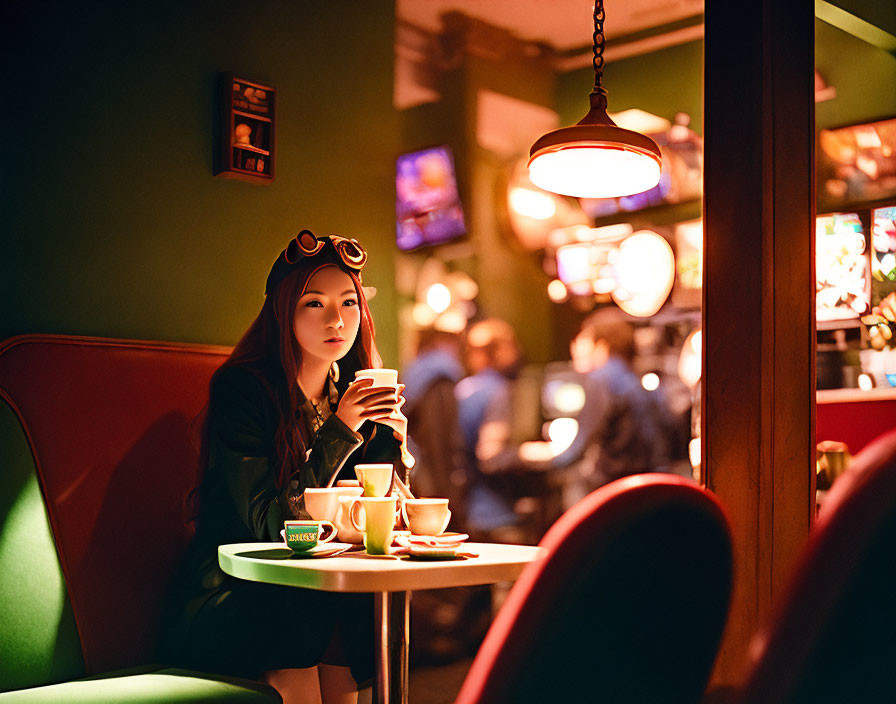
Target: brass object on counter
{"points": [[831, 460]]}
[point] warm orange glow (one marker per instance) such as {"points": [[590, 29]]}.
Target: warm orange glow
{"points": [[689, 361], [694, 452], [423, 315], [532, 204], [557, 291], [574, 261], [561, 432], [650, 381], [592, 170], [569, 397], [645, 271], [438, 297]]}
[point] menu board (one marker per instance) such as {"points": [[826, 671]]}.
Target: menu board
{"points": [[841, 268]]}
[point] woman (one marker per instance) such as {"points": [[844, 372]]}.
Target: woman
{"points": [[283, 415]]}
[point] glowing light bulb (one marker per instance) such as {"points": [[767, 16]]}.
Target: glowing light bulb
{"points": [[645, 271], [438, 297], [557, 291], [598, 171], [569, 398], [694, 452], [650, 381], [689, 361], [561, 433]]}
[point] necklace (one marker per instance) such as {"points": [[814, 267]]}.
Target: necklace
{"points": [[318, 411], [318, 419]]}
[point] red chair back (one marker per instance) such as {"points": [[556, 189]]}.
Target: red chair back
{"points": [[628, 605], [832, 638], [109, 426]]}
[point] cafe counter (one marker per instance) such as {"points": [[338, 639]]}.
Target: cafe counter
{"points": [[854, 416]]}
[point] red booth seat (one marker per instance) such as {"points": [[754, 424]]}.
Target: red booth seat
{"points": [[99, 448]]}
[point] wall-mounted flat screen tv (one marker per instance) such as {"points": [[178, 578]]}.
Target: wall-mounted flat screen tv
{"points": [[427, 204]]}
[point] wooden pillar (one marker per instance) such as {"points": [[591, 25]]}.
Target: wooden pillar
{"points": [[759, 329]]}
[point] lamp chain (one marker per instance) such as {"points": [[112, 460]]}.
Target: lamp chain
{"points": [[598, 93]]}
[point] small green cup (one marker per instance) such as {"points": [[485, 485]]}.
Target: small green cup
{"points": [[301, 536]]}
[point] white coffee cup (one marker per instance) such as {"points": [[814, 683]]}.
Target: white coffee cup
{"points": [[322, 504], [381, 377], [346, 531], [426, 516]]}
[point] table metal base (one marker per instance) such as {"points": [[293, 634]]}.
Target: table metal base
{"points": [[392, 623]]}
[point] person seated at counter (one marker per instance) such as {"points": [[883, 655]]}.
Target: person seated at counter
{"points": [[620, 431], [285, 413], [485, 409], [434, 436]]}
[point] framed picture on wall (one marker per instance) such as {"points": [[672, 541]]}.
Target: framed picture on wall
{"points": [[247, 124], [856, 164]]}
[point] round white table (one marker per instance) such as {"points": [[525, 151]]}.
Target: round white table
{"points": [[389, 578]]}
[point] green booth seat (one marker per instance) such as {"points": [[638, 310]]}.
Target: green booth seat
{"points": [[38, 638], [159, 687]]}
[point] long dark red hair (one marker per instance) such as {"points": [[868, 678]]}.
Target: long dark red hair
{"points": [[269, 348]]}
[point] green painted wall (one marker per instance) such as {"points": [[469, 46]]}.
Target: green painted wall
{"points": [[512, 282], [671, 80], [664, 83], [864, 76], [114, 224], [880, 13]]}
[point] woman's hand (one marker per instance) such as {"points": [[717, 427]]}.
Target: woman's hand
{"points": [[396, 419], [363, 401]]}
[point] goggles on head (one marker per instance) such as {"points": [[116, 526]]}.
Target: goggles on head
{"points": [[306, 244]]}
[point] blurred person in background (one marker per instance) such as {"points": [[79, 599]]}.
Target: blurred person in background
{"points": [[446, 624], [485, 411], [434, 435], [621, 429]]}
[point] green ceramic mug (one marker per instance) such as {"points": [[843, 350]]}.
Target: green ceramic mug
{"points": [[301, 536], [378, 522]]}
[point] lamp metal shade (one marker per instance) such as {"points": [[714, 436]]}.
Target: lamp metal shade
{"points": [[595, 161]]}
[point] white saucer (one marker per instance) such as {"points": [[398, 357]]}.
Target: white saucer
{"points": [[441, 552], [433, 541], [324, 550]]}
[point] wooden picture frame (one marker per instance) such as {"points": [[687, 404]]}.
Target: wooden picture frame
{"points": [[248, 130]]}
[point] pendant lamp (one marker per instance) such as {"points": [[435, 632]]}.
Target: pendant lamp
{"points": [[595, 158]]}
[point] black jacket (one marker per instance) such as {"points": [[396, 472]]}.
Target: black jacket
{"points": [[239, 500]]}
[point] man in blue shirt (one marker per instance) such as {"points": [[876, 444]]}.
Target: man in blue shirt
{"points": [[620, 428], [483, 404]]}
